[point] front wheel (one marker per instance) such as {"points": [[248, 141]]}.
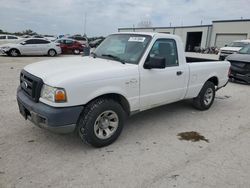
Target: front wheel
{"points": [[101, 122], [206, 97], [14, 52]]}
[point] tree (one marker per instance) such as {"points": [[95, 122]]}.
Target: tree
{"points": [[29, 32]]}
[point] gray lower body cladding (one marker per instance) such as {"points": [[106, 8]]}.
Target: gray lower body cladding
{"points": [[61, 120]]}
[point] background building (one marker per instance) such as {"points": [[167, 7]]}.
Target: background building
{"points": [[219, 33]]}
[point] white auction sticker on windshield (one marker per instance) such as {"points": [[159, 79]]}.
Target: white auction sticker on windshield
{"points": [[136, 39]]}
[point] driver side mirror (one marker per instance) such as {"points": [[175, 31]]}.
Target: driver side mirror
{"points": [[23, 43], [155, 63], [226, 45]]}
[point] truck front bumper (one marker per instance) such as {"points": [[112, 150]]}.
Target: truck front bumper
{"points": [[60, 120]]}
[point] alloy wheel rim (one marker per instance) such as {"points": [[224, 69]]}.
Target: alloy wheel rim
{"points": [[13, 53], [208, 97], [106, 124], [52, 53]]}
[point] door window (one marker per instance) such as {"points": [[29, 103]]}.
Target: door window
{"points": [[12, 37], [167, 49], [68, 42], [40, 41], [37, 41], [2, 37], [31, 41]]}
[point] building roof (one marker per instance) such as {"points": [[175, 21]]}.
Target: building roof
{"points": [[216, 21], [164, 27], [239, 20]]}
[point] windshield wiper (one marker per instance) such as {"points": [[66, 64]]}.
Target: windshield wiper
{"points": [[114, 57]]}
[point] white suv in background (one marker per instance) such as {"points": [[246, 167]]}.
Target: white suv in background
{"points": [[8, 39], [31, 46], [232, 48]]}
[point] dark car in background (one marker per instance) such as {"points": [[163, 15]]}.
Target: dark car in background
{"points": [[95, 43], [70, 46], [240, 65]]}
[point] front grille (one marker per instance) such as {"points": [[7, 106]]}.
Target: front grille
{"points": [[31, 85]]}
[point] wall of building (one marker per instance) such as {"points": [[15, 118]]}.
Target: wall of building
{"points": [[238, 28], [227, 27], [182, 32]]}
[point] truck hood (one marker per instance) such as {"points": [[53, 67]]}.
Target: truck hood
{"points": [[239, 57], [233, 49], [60, 71]]}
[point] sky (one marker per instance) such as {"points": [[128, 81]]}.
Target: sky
{"points": [[106, 16]]}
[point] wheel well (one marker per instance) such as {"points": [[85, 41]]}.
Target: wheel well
{"points": [[214, 80], [15, 49], [119, 98]]}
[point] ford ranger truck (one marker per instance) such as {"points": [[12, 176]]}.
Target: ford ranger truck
{"points": [[128, 73]]}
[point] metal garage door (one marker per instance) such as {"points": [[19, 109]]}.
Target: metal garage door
{"points": [[223, 39]]}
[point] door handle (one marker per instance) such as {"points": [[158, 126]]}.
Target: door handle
{"points": [[178, 73]]}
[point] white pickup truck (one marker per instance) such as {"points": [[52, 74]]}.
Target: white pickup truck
{"points": [[127, 73]]}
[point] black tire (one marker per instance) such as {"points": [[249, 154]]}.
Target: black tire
{"points": [[76, 51], [51, 53], [201, 102], [13, 52], [88, 121]]}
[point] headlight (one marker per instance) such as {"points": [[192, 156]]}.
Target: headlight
{"points": [[6, 48], [53, 94]]}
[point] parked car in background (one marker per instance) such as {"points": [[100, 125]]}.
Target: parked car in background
{"points": [[70, 46], [31, 46], [26, 36], [50, 37], [81, 39], [8, 39], [95, 43], [240, 65], [232, 48]]}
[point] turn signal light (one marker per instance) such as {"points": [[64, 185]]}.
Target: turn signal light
{"points": [[60, 95]]}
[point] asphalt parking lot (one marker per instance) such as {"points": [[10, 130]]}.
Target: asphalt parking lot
{"points": [[148, 153]]}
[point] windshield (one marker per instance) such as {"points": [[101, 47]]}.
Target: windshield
{"points": [[238, 44], [245, 50], [127, 47]]}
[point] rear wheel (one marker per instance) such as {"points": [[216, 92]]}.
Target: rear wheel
{"points": [[206, 96], [14, 52], [101, 122], [52, 53]]}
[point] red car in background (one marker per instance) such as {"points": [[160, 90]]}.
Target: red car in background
{"points": [[70, 46]]}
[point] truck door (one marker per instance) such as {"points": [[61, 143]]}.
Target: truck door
{"points": [[161, 86]]}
